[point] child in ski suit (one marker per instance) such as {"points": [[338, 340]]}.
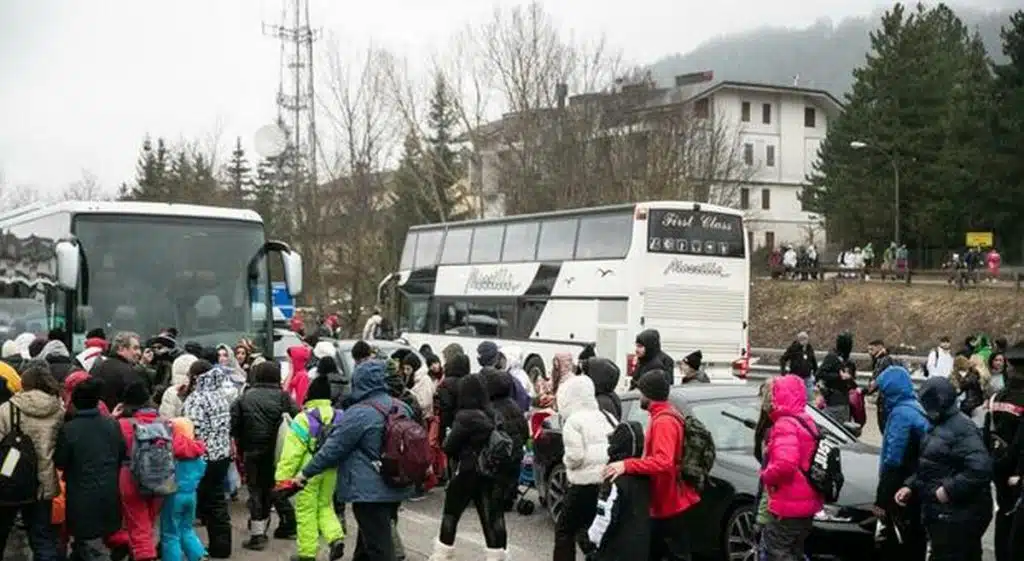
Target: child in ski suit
{"points": [[178, 537], [314, 504]]}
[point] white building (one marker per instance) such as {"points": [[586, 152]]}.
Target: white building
{"points": [[778, 128]]}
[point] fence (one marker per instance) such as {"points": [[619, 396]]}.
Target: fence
{"points": [[763, 370], [961, 279]]}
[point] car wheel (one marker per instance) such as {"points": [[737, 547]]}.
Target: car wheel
{"points": [[557, 485], [534, 368], [740, 536]]}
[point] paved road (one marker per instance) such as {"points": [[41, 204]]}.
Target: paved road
{"points": [[530, 537]]}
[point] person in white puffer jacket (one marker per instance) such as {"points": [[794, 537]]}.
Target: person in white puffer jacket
{"points": [[585, 430], [171, 403]]}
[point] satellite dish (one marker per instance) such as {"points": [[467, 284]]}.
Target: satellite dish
{"points": [[270, 141]]}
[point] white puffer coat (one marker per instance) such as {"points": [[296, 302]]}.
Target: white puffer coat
{"points": [[585, 431]]}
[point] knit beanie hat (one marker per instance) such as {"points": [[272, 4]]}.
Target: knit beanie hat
{"points": [[654, 385], [487, 353], [694, 359]]}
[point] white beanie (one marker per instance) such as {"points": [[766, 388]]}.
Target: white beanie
{"points": [[10, 349], [180, 367], [323, 348]]}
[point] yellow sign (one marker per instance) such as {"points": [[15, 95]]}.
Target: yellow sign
{"points": [[982, 239]]}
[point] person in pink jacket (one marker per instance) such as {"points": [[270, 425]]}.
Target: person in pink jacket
{"points": [[792, 500], [298, 382]]}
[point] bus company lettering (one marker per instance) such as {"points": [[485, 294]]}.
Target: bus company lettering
{"points": [[707, 221], [709, 269], [500, 280]]}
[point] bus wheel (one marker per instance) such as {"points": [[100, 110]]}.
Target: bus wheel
{"points": [[534, 368]]}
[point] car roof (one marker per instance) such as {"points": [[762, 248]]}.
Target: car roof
{"points": [[706, 392]]}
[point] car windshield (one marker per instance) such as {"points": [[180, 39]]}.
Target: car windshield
{"points": [[386, 348], [148, 273], [727, 421]]}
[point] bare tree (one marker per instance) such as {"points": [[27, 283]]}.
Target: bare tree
{"points": [[13, 197], [86, 188], [364, 131]]}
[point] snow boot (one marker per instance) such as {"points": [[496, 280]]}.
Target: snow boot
{"points": [[257, 535], [442, 552]]}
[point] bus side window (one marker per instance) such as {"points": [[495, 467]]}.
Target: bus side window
{"points": [[527, 318]]}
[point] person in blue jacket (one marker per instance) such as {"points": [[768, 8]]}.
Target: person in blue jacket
{"points": [[952, 479], [354, 448], [905, 428]]}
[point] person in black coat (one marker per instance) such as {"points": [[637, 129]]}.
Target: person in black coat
{"points": [[121, 369], [799, 358], [500, 387], [837, 376], [90, 450], [446, 396], [255, 420], [1004, 437], [953, 478], [472, 427], [622, 527], [605, 375], [649, 356]]}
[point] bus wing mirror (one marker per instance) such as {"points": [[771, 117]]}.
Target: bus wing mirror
{"points": [[292, 272], [68, 264]]}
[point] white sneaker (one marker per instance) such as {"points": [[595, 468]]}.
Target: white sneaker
{"points": [[442, 552], [496, 555]]}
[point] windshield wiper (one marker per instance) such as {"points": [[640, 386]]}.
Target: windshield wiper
{"points": [[749, 423]]}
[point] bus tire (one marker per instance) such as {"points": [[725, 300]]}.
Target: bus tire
{"points": [[534, 368]]}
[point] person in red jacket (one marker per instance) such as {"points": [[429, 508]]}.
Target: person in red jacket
{"points": [[662, 462]]}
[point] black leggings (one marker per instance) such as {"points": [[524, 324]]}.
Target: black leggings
{"points": [[487, 495]]}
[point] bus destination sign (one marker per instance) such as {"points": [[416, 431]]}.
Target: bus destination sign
{"points": [[695, 233]]}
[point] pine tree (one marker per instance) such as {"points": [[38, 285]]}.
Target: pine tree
{"points": [[919, 104], [442, 161], [274, 189], [238, 177], [151, 174], [1008, 136]]}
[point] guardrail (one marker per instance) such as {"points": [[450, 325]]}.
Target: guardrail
{"points": [[761, 372], [913, 360], [978, 278]]}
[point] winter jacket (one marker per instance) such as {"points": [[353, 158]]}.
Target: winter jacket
{"points": [[622, 529], [90, 450], [208, 408], [585, 430], [256, 418], [953, 457], [354, 446], [662, 462], [59, 359], [514, 355], [10, 381], [474, 422], [93, 352], [605, 375], [654, 358], [837, 390], [42, 415], [422, 389], [189, 465], [171, 404], [790, 452], [299, 444], [446, 396], [799, 359], [298, 382], [1003, 428], [905, 428], [398, 390], [117, 374], [513, 420]]}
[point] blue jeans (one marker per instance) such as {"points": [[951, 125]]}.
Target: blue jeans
{"points": [[809, 382], [42, 537], [178, 536]]}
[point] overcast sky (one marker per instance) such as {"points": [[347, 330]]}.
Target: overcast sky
{"points": [[81, 81]]}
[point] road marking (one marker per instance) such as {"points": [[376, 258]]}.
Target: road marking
{"points": [[475, 538]]}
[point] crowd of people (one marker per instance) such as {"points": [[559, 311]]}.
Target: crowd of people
{"points": [[944, 447]]}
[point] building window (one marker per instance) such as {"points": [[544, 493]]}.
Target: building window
{"points": [[769, 156], [766, 113], [769, 240], [766, 199], [744, 198], [810, 117], [702, 109], [748, 154], [745, 112]]}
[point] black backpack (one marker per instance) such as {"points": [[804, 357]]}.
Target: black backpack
{"points": [[19, 473], [498, 454], [826, 471]]}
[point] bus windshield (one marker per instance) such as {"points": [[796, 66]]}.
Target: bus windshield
{"points": [[148, 273]]}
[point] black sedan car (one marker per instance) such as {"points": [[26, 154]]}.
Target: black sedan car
{"points": [[726, 513]]}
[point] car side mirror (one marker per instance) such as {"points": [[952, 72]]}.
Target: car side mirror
{"points": [[68, 264], [292, 272]]}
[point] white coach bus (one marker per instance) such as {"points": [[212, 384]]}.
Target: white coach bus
{"points": [[142, 267], [557, 281]]}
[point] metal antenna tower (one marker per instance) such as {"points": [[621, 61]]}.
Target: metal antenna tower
{"points": [[296, 94]]}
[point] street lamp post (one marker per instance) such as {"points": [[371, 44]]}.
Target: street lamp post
{"points": [[859, 145]]}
